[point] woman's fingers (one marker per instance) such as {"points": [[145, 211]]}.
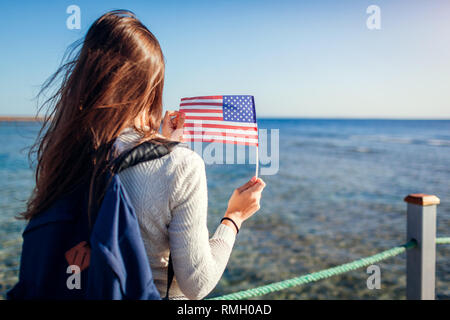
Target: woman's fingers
{"points": [[247, 185], [180, 120], [245, 200], [175, 118], [166, 117], [165, 129], [258, 186]]}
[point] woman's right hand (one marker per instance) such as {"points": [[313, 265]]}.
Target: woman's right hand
{"points": [[244, 201], [172, 128]]}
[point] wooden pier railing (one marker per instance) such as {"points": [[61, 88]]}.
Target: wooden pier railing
{"points": [[421, 260], [420, 256]]}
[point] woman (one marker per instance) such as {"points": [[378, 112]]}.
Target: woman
{"points": [[109, 100]]}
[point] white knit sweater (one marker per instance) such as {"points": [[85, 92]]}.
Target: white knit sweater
{"points": [[170, 199]]}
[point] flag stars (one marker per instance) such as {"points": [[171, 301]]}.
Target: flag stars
{"points": [[239, 109]]}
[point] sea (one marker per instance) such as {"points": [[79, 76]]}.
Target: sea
{"points": [[336, 196]]}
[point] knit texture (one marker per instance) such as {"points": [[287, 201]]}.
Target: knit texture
{"points": [[169, 196]]}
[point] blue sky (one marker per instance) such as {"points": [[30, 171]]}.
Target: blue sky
{"points": [[311, 58]]}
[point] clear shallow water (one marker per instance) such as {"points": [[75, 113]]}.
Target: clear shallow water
{"points": [[337, 197]]}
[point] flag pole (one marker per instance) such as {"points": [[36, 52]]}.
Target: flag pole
{"points": [[257, 161], [257, 146]]}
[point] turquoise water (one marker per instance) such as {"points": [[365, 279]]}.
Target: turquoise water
{"points": [[337, 197]]}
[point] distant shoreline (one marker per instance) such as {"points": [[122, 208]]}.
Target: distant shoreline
{"points": [[41, 119], [21, 119]]}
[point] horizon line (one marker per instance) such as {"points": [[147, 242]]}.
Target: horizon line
{"points": [[12, 118]]}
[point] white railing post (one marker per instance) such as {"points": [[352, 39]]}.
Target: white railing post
{"points": [[421, 260]]}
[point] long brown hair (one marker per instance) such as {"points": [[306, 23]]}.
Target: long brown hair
{"points": [[116, 77]]}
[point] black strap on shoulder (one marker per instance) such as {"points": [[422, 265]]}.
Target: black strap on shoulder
{"points": [[145, 151], [170, 274]]}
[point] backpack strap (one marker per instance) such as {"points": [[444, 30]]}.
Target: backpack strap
{"points": [[146, 151], [170, 274]]}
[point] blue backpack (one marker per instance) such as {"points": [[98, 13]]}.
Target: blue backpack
{"points": [[62, 258]]}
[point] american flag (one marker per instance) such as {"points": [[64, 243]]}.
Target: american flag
{"points": [[226, 119]]}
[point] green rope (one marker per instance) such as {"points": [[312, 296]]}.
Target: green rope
{"points": [[443, 240], [323, 274]]}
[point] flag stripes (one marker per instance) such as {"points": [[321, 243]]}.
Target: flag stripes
{"points": [[205, 120]]}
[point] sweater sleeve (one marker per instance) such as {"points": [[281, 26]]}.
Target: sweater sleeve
{"points": [[198, 261]]}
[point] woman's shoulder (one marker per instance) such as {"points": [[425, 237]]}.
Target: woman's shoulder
{"points": [[181, 165], [182, 155]]}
